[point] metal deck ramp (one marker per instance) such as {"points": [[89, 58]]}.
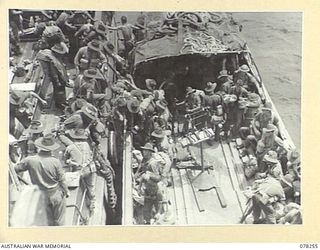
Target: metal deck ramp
{"points": [[194, 207]]}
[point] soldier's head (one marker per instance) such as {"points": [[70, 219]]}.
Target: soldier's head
{"points": [[124, 20], [158, 135], [60, 49], [239, 82], [147, 150], [94, 47]]}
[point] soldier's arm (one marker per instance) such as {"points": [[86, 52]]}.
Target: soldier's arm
{"points": [[21, 166], [80, 31], [69, 25], [114, 27], [135, 27], [255, 127], [62, 178], [77, 57], [33, 94], [89, 16]]}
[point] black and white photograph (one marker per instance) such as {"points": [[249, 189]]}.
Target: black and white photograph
{"points": [[181, 118]]}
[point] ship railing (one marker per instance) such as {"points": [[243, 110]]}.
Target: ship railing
{"points": [[288, 142], [127, 200]]}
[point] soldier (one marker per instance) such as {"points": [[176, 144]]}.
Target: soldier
{"points": [[155, 168], [150, 178], [55, 70], [33, 132], [249, 81], [89, 56], [293, 163], [83, 33], [15, 20], [261, 120], [64, 22], [151, 84], [192, 103], [253, 106], [271, 166], [237, 107], [14, 47], [86, 117], [210, 99], [99, 32], [267, 192], [224, 81], [161, 142], [193, 100], [163, 113], [47, 173], [269, 141], [107, 17], [127, 33], [91, 87], [135, 114], [41, 23], [79, 157], [51, 35], [214, 102], [140, 31], [18, 108]]}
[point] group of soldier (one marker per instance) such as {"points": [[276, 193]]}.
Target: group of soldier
{"points": [[95, 102], [237, 111], [85, 98]]}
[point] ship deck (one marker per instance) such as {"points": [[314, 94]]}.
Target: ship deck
{"points": [[212, 196]]}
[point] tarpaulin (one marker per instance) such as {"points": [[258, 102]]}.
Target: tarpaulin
{"points": [[215, 38]]}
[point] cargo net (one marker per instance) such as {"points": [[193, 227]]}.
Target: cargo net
{"points": [[200, 42], [207, 31], [196, 18]]}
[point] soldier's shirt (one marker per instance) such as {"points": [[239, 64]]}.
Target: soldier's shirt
{"points": [[80, 153], [212, 101], [45, 171], [83, 54], [193, 101]]}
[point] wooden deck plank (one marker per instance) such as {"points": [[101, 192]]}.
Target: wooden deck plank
{"points": [[230, 164], [173, 205], [181, 218], [237, 185], [188, 197]]}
